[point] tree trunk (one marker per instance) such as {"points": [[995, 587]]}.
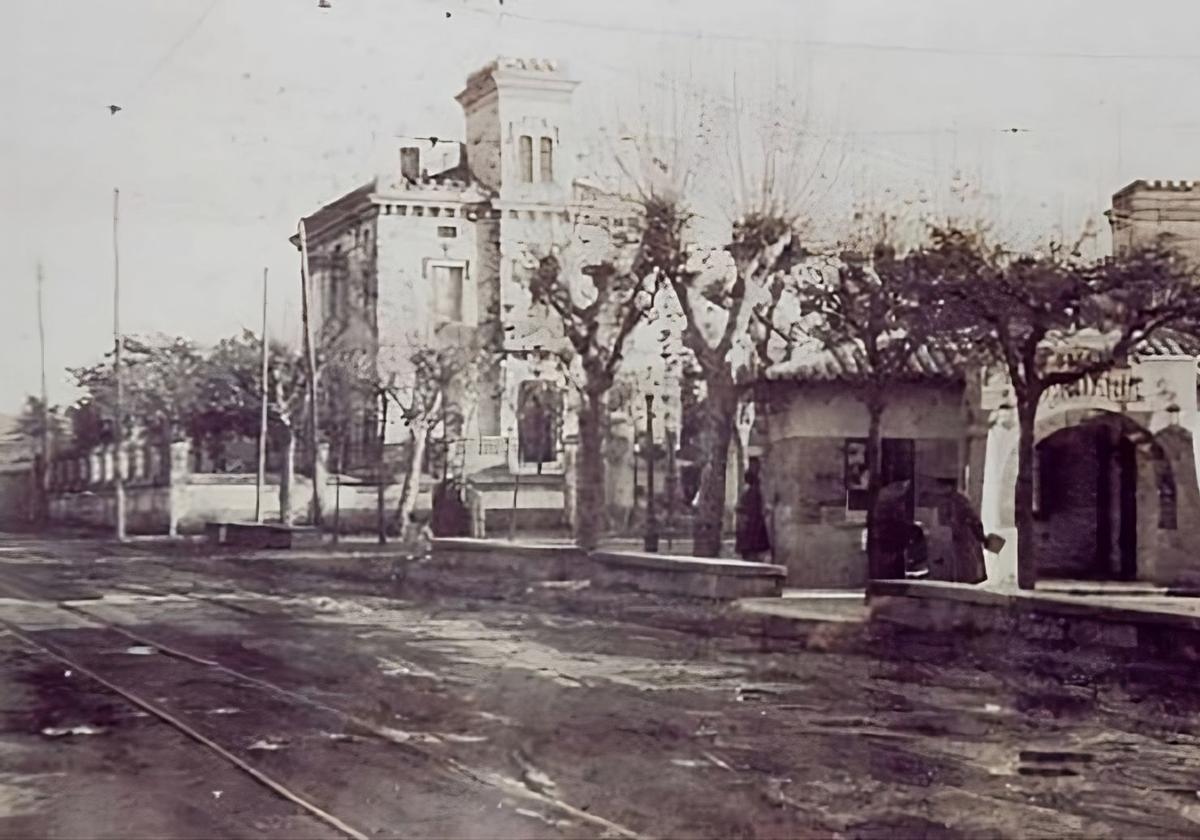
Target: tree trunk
{"points": [[1026, 544], [411, 488], [287, 474], [590, 507], [719, 417], [877, 561]]}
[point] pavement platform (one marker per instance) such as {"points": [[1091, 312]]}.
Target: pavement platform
{"points": [[1126, 621]]}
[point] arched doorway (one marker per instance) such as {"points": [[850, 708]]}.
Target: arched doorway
{"points": [[1102, 490]]}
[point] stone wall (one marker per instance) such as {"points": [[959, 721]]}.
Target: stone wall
{"points": [[1177, 560], [170, 498], [18, 496]]}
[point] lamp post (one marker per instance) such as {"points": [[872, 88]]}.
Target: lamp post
{"points": [[651, 540]]}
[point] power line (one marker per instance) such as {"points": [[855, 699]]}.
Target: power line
{"points": [[817, 43]]}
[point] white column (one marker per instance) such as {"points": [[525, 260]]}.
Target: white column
{"points": [[999, 485]]}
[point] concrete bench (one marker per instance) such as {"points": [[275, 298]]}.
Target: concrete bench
{"points": [[698, 577], [261, 535], [530, 561]]}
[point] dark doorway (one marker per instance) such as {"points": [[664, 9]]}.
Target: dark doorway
{"points": [[1087, 501], [899, 463]]}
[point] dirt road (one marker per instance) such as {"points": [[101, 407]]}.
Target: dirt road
{"points": [[413, 714]]}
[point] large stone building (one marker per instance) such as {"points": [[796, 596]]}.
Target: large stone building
{"points": [[417, 258], [1116, 469], [1146, 212]]}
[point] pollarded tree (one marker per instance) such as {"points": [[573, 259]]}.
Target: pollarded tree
{"points": [[718, 312], [598, 297], [1035, 312]]}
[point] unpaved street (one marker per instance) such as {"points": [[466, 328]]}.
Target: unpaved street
{"points": [[426, 711]]}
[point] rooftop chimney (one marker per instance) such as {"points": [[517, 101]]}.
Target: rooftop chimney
{"points": [[410, 163]]}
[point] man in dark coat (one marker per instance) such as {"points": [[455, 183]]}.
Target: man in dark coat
{"points": [[893, 528], [752, 540], [967, 536]]}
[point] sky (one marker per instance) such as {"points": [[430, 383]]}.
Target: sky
{"points": [[239, 117]]}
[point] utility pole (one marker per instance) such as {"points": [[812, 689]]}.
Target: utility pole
{"points": [[118, 417], [310, 355], [381, 468], [512, 522], [670, 488], [651, 540], [44, 474], [261, 478]]}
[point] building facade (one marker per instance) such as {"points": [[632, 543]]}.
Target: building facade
{"points": [[1116, 485], [417, 259]]}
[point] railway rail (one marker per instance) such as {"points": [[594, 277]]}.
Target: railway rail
{"points": [[74, 608]]}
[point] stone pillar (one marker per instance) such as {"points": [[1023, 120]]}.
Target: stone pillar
{"points": [[120, 455], [619, 473], [137, 463], [96, 466], [570, 444], [321, 483], [178, 470], [996, 499]]}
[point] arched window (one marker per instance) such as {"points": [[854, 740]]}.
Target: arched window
{"points": [[546, 159], [525, 154]]}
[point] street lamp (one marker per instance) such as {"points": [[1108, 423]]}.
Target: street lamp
{"points": [[651, 540]]}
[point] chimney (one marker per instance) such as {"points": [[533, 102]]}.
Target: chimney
{"points": [[410, 163]]}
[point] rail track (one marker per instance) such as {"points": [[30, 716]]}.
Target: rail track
{"points": [[74, 607]]}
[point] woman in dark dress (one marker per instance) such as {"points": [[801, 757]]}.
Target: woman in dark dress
{"points": [[752, 540]]}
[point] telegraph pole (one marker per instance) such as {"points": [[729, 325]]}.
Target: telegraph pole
{"points": [[44, 476], [118, 417], [310, 355], [262, 417]]}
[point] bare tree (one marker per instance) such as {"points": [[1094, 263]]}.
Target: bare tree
{"points": [[430, 385]]}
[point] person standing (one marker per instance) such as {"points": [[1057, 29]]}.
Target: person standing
{"points": [[751, 539], [893, 528], [967, 536]]}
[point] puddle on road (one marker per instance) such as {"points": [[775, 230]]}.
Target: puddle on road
{"points": [[81, 729], [457, 738], [400, 736], [395, 667], [140, 650], [267, 744]]}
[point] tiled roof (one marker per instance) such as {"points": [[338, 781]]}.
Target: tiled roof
{"points": [[937, 364], [1170, 343], [848, 364]]}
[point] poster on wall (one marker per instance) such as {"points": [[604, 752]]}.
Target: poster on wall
{"points": [[857, 475]]}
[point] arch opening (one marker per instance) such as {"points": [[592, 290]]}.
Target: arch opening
{"points": [[1103, 490]]}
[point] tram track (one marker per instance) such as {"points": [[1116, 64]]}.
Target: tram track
{"points": [[508, 786]]}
